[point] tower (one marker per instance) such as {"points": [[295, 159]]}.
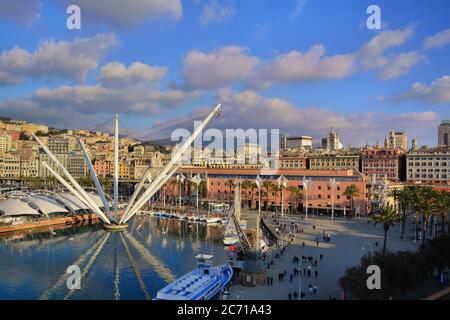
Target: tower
{"points": [[414, 144]]}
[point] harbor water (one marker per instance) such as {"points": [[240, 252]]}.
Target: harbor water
{"points": [[133, 264]]}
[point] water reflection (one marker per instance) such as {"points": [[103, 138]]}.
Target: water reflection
{"points": [[131, 265]]}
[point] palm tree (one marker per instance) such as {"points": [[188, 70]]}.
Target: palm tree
{"points": [[442, 207], [230, 183], [275, 189], [426, 208], [405, 199], [387, 216], [351, 191], [295, 195], [268, 185], [245, 185]]}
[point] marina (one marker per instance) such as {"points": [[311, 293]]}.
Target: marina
{"points": [[131, 265]]}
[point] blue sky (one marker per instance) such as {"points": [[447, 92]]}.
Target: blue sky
{"points": [[301, 66]]}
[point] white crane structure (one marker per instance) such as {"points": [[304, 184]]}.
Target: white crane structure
{"points": [[163, 176], [112, 221]]}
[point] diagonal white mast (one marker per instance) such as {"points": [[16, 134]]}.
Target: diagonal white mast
{"points": [[142, 200], [157, 187], [92, 205], [98, 186], [66, 184], [137, 190]]}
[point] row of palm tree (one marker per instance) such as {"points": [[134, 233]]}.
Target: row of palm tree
{"points": [[295, 195], [427, 203]]}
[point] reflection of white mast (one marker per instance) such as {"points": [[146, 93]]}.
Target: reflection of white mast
{"points": [[63, 277], [158, 266], [89, 264]]}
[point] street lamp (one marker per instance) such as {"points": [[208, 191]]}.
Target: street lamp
{"points": [[196, 180], [180, 180], [306, 184], [282, 184], [258, 183]]}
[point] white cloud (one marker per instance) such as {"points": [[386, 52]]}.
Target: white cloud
{"points": [[213, 12], [438, 40], [373, 54], [116, 74], [21, 12], [248, 109], [438, 92], [298, 9], [67, 60], [73, 104], [125, 14], [296, 66], [400, 65], [219, 68]]}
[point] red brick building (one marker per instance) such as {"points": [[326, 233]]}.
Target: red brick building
{"points": [[389, 162], [319, 193]]}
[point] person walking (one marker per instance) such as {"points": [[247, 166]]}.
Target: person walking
{"points": [[310, 289], [316, 274], [317, 241], [321, 257]]}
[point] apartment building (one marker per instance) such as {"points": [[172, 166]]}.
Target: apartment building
{"points": [[384, 162], [428, 166], [335, 161]]}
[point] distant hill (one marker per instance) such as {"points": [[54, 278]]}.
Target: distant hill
{"points": [[6, 119], [158, 146], [165, 142]]}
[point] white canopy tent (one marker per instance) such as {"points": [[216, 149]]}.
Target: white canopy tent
{"points": [[48, 205], [16, 207]]}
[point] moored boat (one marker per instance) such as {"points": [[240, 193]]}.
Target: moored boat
{"points": [[203, 283]]}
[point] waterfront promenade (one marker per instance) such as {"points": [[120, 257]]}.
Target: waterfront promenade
{"points": [[350, 240]]}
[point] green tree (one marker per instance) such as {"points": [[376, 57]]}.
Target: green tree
{"points": [[245, 185], [230, 184], [386, 216], [295, 195], [351, 191], [424, 200], [406, 201], [442, 207], [275, 189], [268, 186]]}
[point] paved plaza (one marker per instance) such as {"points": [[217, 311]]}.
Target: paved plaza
{"points": [[350, 240]]}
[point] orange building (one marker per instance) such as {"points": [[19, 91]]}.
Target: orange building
{"points": [[318, 194]]}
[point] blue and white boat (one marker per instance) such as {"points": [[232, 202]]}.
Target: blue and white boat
{"points": [[202, 283]]}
